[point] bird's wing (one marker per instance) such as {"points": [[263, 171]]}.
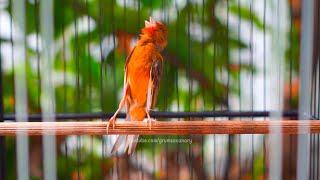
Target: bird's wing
{"points": [[126, 65], [125, 80], [154, 83]]}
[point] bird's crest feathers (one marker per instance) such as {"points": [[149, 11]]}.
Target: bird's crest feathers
{"points": [[151, 23]]}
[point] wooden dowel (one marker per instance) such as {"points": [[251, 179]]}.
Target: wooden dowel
{"points": [[158, 128]]}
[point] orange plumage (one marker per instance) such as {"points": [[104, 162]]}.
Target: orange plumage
{"points": [[142, 79]]}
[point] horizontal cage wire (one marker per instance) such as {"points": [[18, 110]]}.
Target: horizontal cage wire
{"points": [[239, 94]]}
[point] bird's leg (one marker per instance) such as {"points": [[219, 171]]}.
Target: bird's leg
{"points": [[149, 101], [149, 120], [123, 101]]}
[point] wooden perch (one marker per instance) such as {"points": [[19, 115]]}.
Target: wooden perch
{"points": [[158, 128]]}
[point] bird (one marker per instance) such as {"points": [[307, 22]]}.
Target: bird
{"points": [[142, 75]]}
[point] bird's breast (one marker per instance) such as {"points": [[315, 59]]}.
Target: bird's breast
{"points": [[138, 78]]}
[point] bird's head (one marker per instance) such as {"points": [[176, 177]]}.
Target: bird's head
{"points": [[157, 31]]}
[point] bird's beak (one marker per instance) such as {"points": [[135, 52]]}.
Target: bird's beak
{"points": [[151, 22]]}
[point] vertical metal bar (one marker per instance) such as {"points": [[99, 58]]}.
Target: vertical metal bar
{"points": [[36, 24], [290, 84], [143, 155], [92, 174], [48, 93], [314, 89], [64, 62], [139, 16], [10, 11], [189, 83], [12, 50], [290, 55], [312, 107], [228, 60], [21, 104], [101, 79], [114, 54], [316, 85], [312, 156], [318, 92], [203, 90], [77, 87], [114, 66], [101, 56], [3, 174], [151, 8], [318, 115], [239, 83], [251, 83], [230, 137], [125, 53], [64, 83], [37, 31], [153, 144], [312, 114], [264, 84], [166, 90], [189, 56], [214, 83], [202, 51], [306, 52], [177, 84], [125, 26]]}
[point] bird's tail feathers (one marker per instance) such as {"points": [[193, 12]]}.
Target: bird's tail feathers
{"points": [[120, 140], [130, 141]]}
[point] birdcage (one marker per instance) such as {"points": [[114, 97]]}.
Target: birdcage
{"points": [[239, 95]]}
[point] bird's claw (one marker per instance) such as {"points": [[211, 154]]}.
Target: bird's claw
{"points": [[111, 121], [149, 122]]}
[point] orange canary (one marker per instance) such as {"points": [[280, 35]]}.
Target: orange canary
{"points": [[142, 74]]}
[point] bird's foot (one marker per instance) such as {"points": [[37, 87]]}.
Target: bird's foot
{"points": [[149, 122], [111, 121]]}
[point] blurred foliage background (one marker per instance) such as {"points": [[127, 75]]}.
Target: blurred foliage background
{"points": [[92, 40]]}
